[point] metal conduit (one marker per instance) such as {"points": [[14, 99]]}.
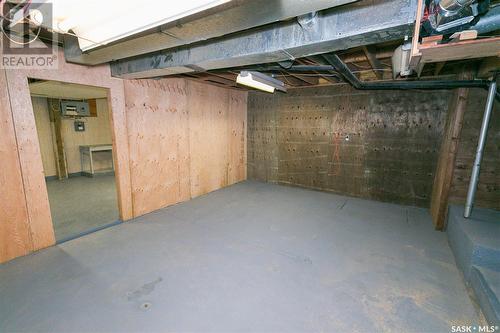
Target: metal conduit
{"points": [[471, 193]]}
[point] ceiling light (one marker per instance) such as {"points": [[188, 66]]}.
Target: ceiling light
{"points": [[97, 23], [260, 81]]}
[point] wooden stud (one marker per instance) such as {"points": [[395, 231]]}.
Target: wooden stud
{"points": [[443, 176], [415, 54], [467, 49], [62, 166]]}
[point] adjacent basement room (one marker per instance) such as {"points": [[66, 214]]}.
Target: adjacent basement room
{"points": [[74, 133], [250, 166]]}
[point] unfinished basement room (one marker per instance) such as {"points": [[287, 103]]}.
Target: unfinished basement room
{"points": [[250, 166]]}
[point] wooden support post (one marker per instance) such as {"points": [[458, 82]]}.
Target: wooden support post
{"points": [[55, 116], [53, 136], [446, 161]]}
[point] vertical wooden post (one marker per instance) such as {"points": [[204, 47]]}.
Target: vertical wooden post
{"points": [[55, 116], [447, 154]]}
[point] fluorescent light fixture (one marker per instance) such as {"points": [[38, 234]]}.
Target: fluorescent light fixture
{"points": [[260, 81], [98, 22]]}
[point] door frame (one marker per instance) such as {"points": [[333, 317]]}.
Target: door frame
{"points": [[39, 220]]}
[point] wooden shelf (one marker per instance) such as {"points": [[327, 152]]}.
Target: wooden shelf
{"points": [[467, 49]]}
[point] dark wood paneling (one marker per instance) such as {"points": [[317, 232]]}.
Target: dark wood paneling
{"points": [[371, 144], [488, 193]]}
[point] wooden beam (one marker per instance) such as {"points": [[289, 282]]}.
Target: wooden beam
{"points": [[290, 81], [443, 176], [370, 53], [306, 79], [55, 113], [467, 49], [360, 56]]}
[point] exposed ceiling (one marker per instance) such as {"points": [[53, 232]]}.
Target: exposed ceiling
{"points": [[371, 63], [63, 90], [226, 18], [353, 25], [213, 40]]}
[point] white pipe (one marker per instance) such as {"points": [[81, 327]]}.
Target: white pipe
{"points": [[474, 178]]}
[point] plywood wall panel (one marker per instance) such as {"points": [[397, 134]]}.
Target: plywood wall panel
{"points": [[159, 143], [153, 169], [15, 238], [186, 139], [40, 220], [208, 124]]}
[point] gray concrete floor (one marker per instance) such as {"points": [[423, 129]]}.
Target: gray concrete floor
{"points": [[80, 204], [251, 257]]}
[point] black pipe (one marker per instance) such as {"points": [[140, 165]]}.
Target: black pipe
{"points": [[296, 68], [338, 68], [352, 79], [301, 68]]}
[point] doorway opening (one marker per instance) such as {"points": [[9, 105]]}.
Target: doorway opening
{"points": [[74, 132]]}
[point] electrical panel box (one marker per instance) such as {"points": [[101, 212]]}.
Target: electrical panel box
{"points": [[75, 108]]}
